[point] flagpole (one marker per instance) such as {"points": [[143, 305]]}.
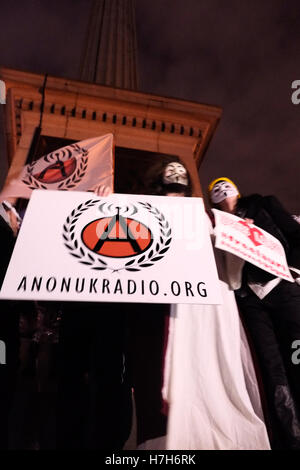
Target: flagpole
{"points": [[21, 203], [37, 133]]}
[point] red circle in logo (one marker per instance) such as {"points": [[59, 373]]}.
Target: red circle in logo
{"points": [[57, 171], [117, 237]]}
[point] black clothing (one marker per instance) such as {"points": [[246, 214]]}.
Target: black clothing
{"points": [[268, 213], [105, 350], [274, 321], [273, 324], [94, 395], [7, 246], [9, 336], [148, 326]]}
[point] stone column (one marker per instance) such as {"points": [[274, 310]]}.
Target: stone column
{"points": [[110, 51]]}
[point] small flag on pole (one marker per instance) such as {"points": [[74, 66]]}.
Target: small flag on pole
{"points": [[81, 166]]}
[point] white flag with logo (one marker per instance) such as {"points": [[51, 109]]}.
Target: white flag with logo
{"points": [[81, 166]]}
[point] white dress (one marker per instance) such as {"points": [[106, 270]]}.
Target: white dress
{"points": [[210, 382]]}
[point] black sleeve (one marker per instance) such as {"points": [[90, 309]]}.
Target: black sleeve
{"points": [[287, 225], [7, 242]]}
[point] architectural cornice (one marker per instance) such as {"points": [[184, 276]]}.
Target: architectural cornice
{"points": [[79, 110]]}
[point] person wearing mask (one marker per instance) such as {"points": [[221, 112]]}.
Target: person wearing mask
{"points": [[270, 307], [193, 378]]}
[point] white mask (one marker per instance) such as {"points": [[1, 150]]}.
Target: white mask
{"points": [[175, 173], [222, 190]]}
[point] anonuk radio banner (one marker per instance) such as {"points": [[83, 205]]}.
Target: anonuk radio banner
{"points": [[78, 246], [251, 243]]}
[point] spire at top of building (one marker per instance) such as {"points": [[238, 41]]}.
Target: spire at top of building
{"points": [[110, 50]]}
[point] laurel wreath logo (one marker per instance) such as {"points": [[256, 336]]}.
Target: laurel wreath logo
{"points": [[72, 243], [70, 182], [95, 262], [161, 247]]}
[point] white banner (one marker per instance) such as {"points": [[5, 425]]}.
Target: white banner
{"points": [[123, 248], [250, 243], [82, 166]]}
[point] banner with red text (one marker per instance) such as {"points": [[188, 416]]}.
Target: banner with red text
{"points": [[251, 243]]}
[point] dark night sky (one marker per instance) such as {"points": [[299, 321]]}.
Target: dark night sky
{"points": [[239, 54]]}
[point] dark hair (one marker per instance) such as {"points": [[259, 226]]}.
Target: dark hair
{"points": [[153, 182]]}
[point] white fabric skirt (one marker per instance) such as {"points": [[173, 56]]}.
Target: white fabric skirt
{"points": [[210, 382]]}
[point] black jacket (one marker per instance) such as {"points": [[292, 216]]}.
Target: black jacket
{"points": [[268, 213], [7, 241]]}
